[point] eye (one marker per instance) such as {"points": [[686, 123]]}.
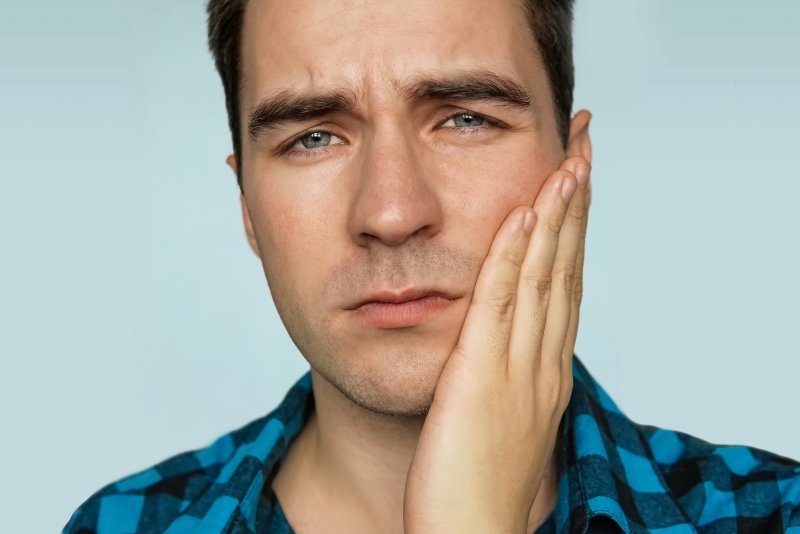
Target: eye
{"points": [[465, 126], [317, 139], [465, 120]]}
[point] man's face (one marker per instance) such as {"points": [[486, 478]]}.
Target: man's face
{"points": [[422, 147]]}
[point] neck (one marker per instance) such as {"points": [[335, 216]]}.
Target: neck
{"points": [[348, 466]]}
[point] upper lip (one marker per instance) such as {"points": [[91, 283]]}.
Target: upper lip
{"points": [[406, 295]]}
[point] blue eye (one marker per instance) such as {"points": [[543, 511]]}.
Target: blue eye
{"points": [[316, 140], [467, 120]]}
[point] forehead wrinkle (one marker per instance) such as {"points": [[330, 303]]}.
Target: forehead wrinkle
{"points": [[372, 86]]}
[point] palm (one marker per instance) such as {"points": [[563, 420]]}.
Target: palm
{"points": [[492, 424]]}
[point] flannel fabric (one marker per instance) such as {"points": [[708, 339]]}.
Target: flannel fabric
{"points": [[615, 476]]}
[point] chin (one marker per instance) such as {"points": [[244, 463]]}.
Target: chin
{"points": [[399, 380], [388, 372]]}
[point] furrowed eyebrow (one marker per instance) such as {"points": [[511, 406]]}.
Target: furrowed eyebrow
{"points": [[471, 85], [289, 106]]}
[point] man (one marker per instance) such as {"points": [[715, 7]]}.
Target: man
{"points": [[418, 196]]}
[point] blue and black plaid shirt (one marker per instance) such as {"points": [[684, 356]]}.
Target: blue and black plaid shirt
{"points": [[616, 476]]}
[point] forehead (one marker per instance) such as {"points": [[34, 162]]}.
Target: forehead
{"points": [[374, 45]]}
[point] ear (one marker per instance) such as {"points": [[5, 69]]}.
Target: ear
{"points": [[248, 225], [579, 143]]}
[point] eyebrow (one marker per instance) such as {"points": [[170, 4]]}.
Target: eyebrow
{"points": [[471, 85], [291, 106]]}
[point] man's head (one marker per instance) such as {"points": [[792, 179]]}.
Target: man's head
{"points": [[550, 23], [379, 145]]}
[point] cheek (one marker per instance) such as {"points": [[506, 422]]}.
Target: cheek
{"points": [[484, 187], [517, 178], [290, 230]]}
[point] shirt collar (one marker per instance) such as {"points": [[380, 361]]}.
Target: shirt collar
{"points": [[603, 458], [605, 463]]}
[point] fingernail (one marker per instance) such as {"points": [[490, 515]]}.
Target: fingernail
{"points": [[567, 189], [530, 219]]}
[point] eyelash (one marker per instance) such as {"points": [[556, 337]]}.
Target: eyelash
{"points": [[297, 153], [287, 148], [470, 130]]}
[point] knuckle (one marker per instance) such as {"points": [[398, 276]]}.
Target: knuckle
{"points": [[513, 259], [506, 258], [576, 210], [538, 284], [564, 276], [577, 291], [553, 225], [501, 303]]}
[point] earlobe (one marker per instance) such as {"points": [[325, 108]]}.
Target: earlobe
{"points": [[579, 143], [248, 226], [232, 163]]}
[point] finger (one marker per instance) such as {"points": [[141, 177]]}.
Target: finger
{"points": [[560, 306], [577, 292], [581, 168], [534, 291], [572, 164], [488, 321]]}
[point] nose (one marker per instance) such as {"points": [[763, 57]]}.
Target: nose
{"points": [[394, 200]]}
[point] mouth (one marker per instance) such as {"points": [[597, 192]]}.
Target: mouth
{"points": [[403, 309]]}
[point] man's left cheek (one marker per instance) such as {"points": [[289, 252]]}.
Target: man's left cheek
{"points": [[513, 185], [526, 174], [515, 167]]}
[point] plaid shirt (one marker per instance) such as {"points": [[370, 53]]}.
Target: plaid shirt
{"points": [[616, 476]]}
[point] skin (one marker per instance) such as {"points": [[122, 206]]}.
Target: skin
{"points": [[417, 429]]}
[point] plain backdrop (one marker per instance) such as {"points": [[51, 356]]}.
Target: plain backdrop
{"points": [[135, 323]]}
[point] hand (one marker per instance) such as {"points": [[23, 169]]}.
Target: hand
{"points": [[495, 413]]}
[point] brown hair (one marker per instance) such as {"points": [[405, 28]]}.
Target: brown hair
{"points": [[550, 21]]}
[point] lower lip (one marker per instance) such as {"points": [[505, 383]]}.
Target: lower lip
{"points": [[402, 315]]}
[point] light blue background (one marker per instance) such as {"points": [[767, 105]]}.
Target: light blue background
{"points": [[135, 323]]}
